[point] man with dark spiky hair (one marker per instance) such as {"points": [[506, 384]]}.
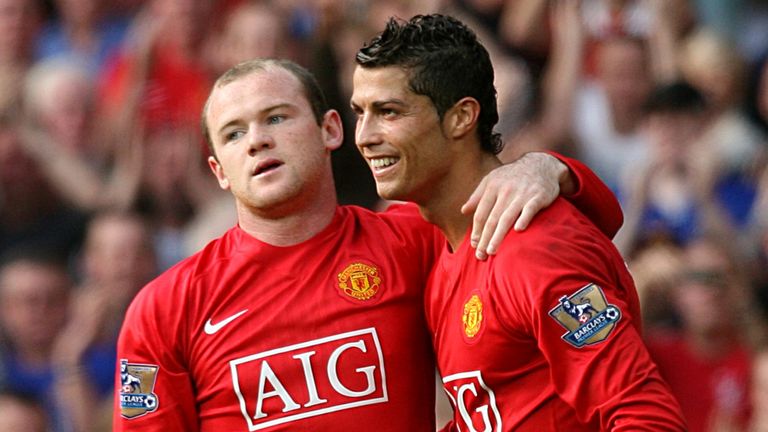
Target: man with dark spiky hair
{"points": [[543, 336]]}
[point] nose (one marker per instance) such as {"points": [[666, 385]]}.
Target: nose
{"points": [[367, 132], [259, 139]]}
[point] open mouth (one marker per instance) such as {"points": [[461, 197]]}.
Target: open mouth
{"points": [[266, 166], [380, 164]]}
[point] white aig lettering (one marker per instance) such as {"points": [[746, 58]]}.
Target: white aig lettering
{"points": [[474, 401], [309, 379]]}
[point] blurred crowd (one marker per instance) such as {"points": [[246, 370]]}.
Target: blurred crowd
{"points": [[104, 184]]}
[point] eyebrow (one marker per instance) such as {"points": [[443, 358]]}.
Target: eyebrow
{"points": [[261, 112], [380, 104]]}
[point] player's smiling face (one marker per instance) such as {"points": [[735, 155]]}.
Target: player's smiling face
{"points": [[399, 133], [269, 148]]}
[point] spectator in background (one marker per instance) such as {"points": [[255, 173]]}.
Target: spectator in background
{"points": [[175, 193], [153, 95], [61, 135], [714, 66], [522, 21], [159, 79], [249, 30], [655, 270], [60, 341], [608, 109], [34, 299], [706, 362], [21, 413], [30, 211], [679, 194], [117, 260], [84, 30], [601, 116]]}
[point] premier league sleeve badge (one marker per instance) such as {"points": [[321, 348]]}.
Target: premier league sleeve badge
{"points": [[137, 382], [586, 315]]}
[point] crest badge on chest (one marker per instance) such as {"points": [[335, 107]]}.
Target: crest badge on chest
{"points": [[360, 281], [472, 317]]}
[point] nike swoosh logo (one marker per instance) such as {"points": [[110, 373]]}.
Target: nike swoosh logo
{"points": [[211, 328]]}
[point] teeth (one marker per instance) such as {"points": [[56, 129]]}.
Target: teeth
{"points": [[383, 162]]}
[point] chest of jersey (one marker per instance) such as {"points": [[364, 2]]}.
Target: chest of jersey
{"points": [[303, 343], [492, 368]]}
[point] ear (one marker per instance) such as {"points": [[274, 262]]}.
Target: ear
{"points": [[332, 130], [461, 118], [218, 171]]}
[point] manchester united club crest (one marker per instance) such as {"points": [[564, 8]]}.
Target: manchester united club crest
{"points": [[472, 318], [360, 281], [586, 315], [137, 382]]}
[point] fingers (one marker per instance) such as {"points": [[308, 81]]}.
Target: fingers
{"points": [[474, 199], [496, 216], [529, 210], [511, 196], [495, 234], [487, 230], [483, 212], [519, 213]]}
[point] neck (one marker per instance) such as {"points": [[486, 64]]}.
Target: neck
{"points": [[289, 223], [443, 205]]}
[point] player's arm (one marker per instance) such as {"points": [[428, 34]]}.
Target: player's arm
{"points": [[587, 329], [514, 193], [153, 389], [612, 379]]}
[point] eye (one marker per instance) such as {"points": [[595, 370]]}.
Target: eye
{"points": [[388, 112], [275, 119], [234, 135]]}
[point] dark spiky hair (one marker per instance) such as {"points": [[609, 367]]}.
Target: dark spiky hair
{"points": [[445, 62]]}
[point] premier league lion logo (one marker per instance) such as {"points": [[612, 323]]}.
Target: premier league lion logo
{"points": [[128, 382], [586, 315], [582, 312]]}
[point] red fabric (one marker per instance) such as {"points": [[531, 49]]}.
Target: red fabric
{"points": [[296, 312], [515, 370], [705, 387], [593, 197], [174, 93]]}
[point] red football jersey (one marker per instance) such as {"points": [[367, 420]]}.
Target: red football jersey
{"points": [[325, 335], [545, 336]]}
